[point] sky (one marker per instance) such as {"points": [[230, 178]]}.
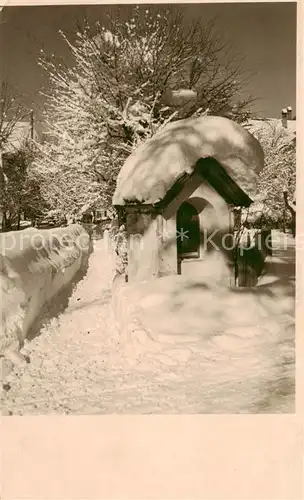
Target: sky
{"points": [[263, 33]]}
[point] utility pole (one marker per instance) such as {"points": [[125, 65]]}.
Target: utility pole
{"points": [[32, 124]]}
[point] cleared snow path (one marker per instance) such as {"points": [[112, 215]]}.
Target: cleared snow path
{"points": [[81, 364]]}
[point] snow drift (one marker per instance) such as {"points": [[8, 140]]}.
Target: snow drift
{"points": [[222, 351], [34, 266], [153, 168]]}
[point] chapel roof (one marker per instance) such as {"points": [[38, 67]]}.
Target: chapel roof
{"points": [[155, 166]]}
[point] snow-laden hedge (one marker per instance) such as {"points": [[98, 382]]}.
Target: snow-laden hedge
{"points": [[34, 266]]}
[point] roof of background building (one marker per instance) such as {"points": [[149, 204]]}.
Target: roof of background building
{"points": [[262, 126]]}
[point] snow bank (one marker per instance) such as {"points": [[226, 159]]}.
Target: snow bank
{"points": [[135, 336], [35, 266], [153, 168]]}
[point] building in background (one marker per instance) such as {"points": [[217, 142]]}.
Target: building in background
{"points": [[284, 126]]}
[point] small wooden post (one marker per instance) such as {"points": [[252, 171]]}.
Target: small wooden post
{"points": [[292, 208]]}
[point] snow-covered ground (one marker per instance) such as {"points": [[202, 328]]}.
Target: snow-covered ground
{"points": [[206, 352]]}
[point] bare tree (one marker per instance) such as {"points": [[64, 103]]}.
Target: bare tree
{"points": [[12, 112], [155, 50]]}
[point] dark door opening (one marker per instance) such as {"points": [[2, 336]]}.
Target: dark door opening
{"points": [[187, 232]]}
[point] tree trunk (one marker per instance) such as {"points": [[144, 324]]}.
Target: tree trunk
{"points": [[284, 220], [18, 219], [4, 222]]}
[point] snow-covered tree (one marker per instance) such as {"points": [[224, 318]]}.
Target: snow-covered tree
{"points": [[278, 175], [127, 80]]}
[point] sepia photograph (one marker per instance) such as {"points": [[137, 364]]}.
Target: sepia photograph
{"points": [[148, 208]]}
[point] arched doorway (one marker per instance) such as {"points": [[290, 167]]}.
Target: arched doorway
{"points": [[187, 232]]}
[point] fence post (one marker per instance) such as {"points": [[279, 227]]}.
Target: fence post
{"points": [[266, 241]]}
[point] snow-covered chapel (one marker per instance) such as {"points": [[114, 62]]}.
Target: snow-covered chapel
{"points": [[178, 192]]}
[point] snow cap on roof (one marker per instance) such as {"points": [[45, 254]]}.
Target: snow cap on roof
{"points": [[153, 168]]}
